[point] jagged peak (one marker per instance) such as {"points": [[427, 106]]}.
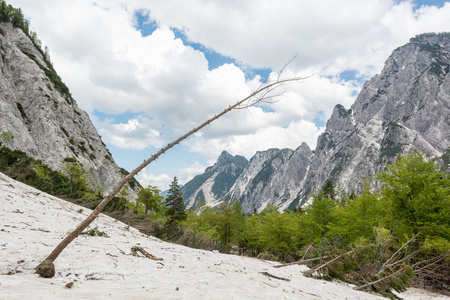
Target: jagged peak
{"points": [[226, 159], [340, 118], [431, 38], [304, 147], [224, 156]]}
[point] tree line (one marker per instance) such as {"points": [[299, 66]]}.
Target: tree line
{"points": [[383, 239]]}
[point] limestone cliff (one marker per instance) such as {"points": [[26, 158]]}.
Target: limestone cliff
{"points": [[43, 117]]}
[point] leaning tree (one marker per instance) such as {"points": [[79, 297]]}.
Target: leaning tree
{"points": [[267, 92]]}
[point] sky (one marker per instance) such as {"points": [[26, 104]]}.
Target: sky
{"points": [[147, 72]]}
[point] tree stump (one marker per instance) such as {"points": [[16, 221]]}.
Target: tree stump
{"points": [[46, 269]]}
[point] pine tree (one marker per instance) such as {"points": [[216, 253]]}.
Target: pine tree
{"points": [[176, 211], [328, 189]]}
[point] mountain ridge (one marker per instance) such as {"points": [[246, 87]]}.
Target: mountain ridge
{"points": [[405, 107]]}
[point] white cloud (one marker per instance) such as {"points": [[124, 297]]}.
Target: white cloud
{"points": [[111, 68], [264, 138], [187, 174], [136, 134], [161, 181]]}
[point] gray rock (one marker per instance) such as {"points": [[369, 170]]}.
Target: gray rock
{"points": [[405, 107], [46, 122]]}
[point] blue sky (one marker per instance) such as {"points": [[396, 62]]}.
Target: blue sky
{"points": [[147, 26], [437, 3], [148, 71]]}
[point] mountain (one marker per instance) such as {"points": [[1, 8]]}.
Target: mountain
{"points": [[406, 106], [38, 109], [272, 176], [215, 182]]}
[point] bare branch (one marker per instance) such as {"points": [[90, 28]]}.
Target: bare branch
{"points": [[300, 262], [310, 272], [361, 287], [274, 276], [395, 254]]}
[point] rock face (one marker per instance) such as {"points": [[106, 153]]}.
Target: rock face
{"points": [[45, 120], [212, 186], [405, 107], [272, 176]]}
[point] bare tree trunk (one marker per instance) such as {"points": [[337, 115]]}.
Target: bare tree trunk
{"points": [[262, 94]]}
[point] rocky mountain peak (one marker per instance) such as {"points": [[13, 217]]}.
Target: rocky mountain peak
{"points": [[340, 120], [227, 161], [406, 106]]}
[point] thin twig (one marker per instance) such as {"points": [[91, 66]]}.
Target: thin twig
{"points": [[136, 249], [396, 252], [274, 276], [308, 273], [361, 287], [300, 262]]}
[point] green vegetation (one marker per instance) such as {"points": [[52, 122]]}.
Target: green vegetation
{"points": [[6, 137], [21, 110], [381, 240], [73, 183], [95, 232], [151, 198]]}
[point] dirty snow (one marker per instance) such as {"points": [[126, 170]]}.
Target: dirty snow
{"points": [[32, 223]]}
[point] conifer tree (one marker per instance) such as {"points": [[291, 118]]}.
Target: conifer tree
{"points": [[176, 211]]}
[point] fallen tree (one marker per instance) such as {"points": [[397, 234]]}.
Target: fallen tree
{"points": [[264, 93]]}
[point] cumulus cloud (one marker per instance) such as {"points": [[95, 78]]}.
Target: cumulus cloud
{"points": [[264, 138], [185, 174], [111, 68], [161, 181], [135, 134]]}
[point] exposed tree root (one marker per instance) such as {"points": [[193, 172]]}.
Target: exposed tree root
{"points": [[136, 249]]}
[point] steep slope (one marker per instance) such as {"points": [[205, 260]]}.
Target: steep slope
{"points": [[405, 107], [37, 108]]}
